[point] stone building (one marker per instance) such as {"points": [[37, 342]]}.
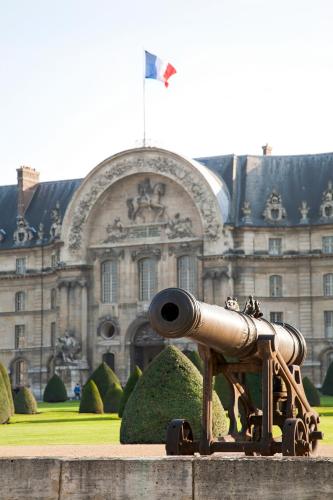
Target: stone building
{"points": [[81, 259]]}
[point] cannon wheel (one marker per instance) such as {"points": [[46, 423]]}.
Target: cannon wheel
{"points": [[294, 438], [311, 422], [179, 440]]}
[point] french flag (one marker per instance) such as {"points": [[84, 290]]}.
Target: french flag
{"points": [[158, 69]]}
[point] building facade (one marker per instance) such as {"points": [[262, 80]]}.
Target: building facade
{"points": [[81, 259]]}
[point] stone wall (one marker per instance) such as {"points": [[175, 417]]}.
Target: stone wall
{"points": [[184, 478]]}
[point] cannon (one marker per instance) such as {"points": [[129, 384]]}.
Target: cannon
{"points": [[235, 343]]}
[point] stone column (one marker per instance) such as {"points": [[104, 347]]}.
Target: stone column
{"points": [[84, 318], [63, 288]]}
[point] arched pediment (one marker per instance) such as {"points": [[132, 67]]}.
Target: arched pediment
{"points": [[207, 192]]}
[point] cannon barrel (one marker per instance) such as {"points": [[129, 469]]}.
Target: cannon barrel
{"points": [[175, 313]]}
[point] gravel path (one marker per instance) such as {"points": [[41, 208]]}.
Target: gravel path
{"points": [[105, 451]]}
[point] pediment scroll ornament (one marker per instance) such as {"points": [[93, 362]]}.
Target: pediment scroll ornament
{"points": [[274, 210], [23, 232], [326, 208], [157, 164]]}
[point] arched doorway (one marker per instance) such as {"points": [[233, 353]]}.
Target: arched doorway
{"points": [[19, 373], [108, 358], [146, 345]]}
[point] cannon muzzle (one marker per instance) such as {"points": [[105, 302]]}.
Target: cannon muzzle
{"points": [[175, 313]]}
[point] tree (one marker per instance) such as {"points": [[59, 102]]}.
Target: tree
{"points": [[112, 399], [104, 378], [131, 383], [55, 390], [328, 382], [91, 401], [25, 401], [5, 376], [311, 392], [5, 409], [171, 387]]}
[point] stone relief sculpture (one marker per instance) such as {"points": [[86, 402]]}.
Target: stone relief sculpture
{"points": [[247, 213], [274, 210], [304, 210], [55, 228], [179, 227], [147, 206], [23, 232], [116, 231], [67, 348], [326, 208]]}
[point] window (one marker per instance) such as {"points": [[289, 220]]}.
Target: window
{"points": [[19, 336], [20, 373], [328, 284], [275, 246], [19, 301], [327, 244], [21, 265], [276, 317], [275, 286], [53, 298], [147, 278], [54, 260], [109, 281], [328, 324], [53, 334], [186, 272]]}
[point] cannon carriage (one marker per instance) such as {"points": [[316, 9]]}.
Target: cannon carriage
{"points": [[235, 343]]}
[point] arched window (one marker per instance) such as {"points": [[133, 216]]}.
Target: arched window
{"points": [[328, 284], [19, 301], [186, 273], [109, 271], [147, 278], [275, 285], [53, 299]]}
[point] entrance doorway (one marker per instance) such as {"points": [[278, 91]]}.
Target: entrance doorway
{"points": [[146, 345]]}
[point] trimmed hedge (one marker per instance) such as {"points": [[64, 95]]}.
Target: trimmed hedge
{"points": [[5, 408], [104, 378], [25, 401], [55, 390], [171, 387], [91, 401], [222, 389], [311, 392], [131, 383], [194, 356], [5, 376], [327, 388], [112, 399]]}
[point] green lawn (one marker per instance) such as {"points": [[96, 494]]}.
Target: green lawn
{"points": [[60, 423]]}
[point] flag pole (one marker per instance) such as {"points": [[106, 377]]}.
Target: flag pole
{"points": [[144, 99]]}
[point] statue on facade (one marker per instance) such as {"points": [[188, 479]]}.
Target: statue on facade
{"points": [[179, 227], [304, 210], [326, 208], [67, 348], [274, 210], [247, 213], [23, 232], [147, 206], [115, 231], [55, 228]]}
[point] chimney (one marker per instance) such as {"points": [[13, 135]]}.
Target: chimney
{"points": [[27, 180], [267, 150]]}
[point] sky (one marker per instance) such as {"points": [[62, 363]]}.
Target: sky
{"points": [[248, 72]]}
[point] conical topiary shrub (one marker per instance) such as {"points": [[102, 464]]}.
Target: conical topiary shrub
{"points": [[222, 389], [6, 379], [25, 401], [112, 399], [171, 387], [55, 390], [91, 401], [327, 388], [104, 378], [5, 409], [311, 392], [131, 383], [194, 356]]}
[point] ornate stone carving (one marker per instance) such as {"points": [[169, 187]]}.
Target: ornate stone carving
{"points": [[193, 248], [2, 235], [147, 206], [216, 273], [160, 165], [115, 231], [179, 227], [326, 208], [67, 349], [23, 232], [247, 213], [107, 253], [304, 210], [231, 304], [146, 251], [40, 233], [274, 210], [55, 228], [228, 241]]}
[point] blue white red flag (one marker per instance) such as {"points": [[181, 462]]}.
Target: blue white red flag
{"points": [[158, 69]]}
